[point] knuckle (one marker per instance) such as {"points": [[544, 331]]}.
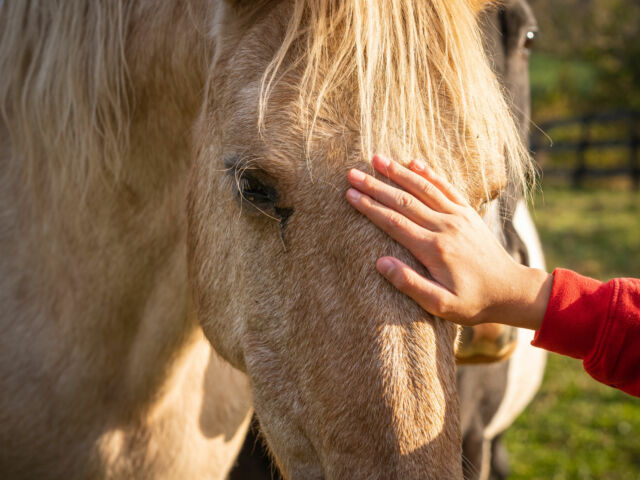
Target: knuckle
{"points": [[446, 224], [427, 189], [406, 202], [402, 280], [365, 201], [438, 246], [396, 222], [368, 183], [441, 306], [453, 223]]}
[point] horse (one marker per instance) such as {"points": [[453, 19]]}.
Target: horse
{"points": [[176, 250], [491, 395]]}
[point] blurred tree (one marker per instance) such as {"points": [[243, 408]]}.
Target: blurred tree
{"points": [[587, 58], [616, 52]]}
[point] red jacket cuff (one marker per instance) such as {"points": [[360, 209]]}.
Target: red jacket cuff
{"points": [[574, 314]]}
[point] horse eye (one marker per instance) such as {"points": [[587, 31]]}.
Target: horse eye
{"points": [[254, 186], [256, 192], [530, 39]]}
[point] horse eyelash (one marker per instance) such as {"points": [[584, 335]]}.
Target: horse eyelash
{"points": [[242, 184]]}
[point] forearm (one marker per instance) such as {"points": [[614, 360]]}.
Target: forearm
{"points": [[527, 305], [598, 323]]}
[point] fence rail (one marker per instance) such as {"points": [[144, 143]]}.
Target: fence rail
{"points": [[588, 139]]}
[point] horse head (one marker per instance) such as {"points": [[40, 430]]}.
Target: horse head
{"points": [[348, 376]]}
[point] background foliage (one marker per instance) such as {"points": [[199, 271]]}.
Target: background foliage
{"points": [[587, 57]]}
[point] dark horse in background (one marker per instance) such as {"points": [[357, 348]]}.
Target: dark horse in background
{"points": [[491, 395]]}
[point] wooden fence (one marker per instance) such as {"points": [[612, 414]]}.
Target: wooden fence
{"points": [[613, 134]]}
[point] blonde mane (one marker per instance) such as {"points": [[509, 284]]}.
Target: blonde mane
{"points": [[412, 75], [424, 87]]}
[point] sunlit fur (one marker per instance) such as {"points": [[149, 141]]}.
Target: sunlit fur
{"points": [[104, 370], [113, 113], [424, 89], [65, 87]]}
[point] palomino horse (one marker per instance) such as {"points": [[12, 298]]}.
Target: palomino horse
{"points": [[491, 395], [176, 248]]}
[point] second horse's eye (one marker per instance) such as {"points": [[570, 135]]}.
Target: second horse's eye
{"points": [[530, 39]]}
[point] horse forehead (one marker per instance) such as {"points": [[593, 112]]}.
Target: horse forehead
{"points": [[250, 36]]}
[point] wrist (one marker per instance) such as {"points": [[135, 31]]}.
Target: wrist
{"points": [[530, 306]]}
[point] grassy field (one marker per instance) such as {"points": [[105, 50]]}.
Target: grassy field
{"points": [[577, 428]]}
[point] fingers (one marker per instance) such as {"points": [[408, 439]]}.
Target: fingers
{"points": [[430, 295], [440, 182], [394, 198], [399, 227], [437, 194]]}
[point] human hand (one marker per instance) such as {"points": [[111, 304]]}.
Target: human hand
{"points": [[474, 280]]}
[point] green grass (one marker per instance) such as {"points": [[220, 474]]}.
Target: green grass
{"points": [[577, 428]]}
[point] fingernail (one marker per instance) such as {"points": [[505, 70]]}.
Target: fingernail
{"points": [[357, 175], [418, 165], [383, 161], [385, 266], [353, 194]]}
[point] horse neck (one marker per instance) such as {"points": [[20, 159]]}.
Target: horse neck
{"points": [[101, 271]]}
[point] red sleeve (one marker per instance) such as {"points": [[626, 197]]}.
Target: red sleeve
{"points": [[598, 323]]}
